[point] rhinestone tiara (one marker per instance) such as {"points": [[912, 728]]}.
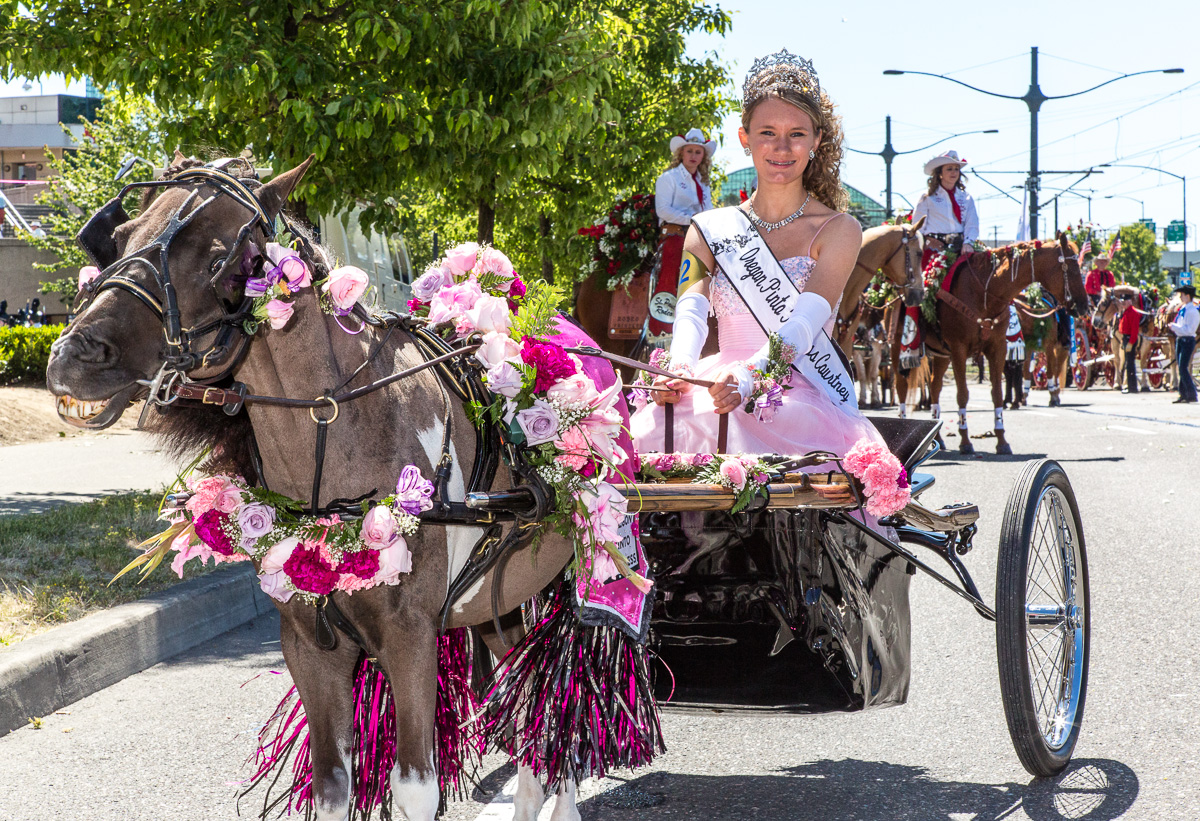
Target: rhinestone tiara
{"points": [[781, 70]]}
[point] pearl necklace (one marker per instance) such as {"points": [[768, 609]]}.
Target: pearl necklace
{"points": [[771, 226]]}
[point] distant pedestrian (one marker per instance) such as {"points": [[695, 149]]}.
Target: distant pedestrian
{"points": [[1184, 328], [1129, 327], [36, 229]]}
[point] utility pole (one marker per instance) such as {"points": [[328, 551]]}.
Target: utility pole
{"points": [[1033, 99]]}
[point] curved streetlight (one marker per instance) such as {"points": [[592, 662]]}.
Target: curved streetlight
{"points": [[1127, 197], [1033, 99], [889, 153], [1179, 177]]}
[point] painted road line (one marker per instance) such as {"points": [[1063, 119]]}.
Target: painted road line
{"points": [[1131, 430]]}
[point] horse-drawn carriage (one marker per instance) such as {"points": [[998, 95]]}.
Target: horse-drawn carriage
{"points": [[783, 598]]}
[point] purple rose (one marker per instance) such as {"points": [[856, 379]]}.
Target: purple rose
{"points": [[504, 379], [699, 460], [550, 360], [413, 491], [429, 283], [540, 423], [275, 585], [210, 528], [256, 521], [665, 461]]}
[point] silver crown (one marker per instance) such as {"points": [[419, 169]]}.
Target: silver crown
{"points": [[781, 70]]}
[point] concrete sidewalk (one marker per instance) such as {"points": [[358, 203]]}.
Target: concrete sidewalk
{"points": [[41, 475]]}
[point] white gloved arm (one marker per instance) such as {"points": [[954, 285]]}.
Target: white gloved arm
{"points": [[811, 313], [690, 330]]}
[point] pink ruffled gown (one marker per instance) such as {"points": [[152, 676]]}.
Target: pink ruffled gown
{"points": [[808, 420]]}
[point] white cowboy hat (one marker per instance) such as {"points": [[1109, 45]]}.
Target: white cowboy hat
{"points": [[949, 158], [693, 137]]}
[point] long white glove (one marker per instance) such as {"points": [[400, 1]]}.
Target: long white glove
{"points": [[811, 313], [690, 330]]}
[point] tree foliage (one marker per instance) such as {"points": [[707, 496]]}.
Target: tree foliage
{"points": [[84, 180], [1140, 258], [544, 108]]}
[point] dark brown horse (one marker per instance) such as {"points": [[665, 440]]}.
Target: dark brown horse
{"points": [[117, 342], [973, 315]]}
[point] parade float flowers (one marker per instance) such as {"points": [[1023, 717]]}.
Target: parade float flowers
{"points": [[626, 240], [224, 519], [745, 475], [885, 482]]}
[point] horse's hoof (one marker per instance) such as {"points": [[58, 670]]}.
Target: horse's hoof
{"points": [[965, 446], [1004, 449]]}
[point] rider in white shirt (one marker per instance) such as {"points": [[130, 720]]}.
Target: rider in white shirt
{"points": [[949, 211]]}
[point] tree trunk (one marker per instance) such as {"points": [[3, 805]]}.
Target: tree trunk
{"points": [[547, 261], [487, 222]]}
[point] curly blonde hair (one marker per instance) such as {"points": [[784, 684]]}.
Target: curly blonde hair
{"points": [[704, 169], [823, 175]]}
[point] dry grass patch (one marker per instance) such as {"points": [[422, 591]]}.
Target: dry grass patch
{"points": [[55, 567]]}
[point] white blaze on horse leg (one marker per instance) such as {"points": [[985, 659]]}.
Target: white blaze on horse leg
{"points": [[903, 410], [459, 540], [999, 418], [341, 811], [416, 796], [962, 418], [564, 805], [935, 410], [529, 798]]}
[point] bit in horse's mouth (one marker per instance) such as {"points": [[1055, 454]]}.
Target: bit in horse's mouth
{"points": [[94, 414]]}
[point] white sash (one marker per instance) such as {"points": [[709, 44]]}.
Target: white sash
{"points": [[760, 281]]}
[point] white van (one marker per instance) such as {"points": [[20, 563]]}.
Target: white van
{"points": [[384, 258]]}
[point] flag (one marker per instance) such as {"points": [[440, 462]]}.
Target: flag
{"points": [[1022, 222], [1116, 246], [1086, 249]]}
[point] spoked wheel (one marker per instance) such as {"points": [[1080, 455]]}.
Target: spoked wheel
{"points": [[1042, 618], [1040, 375], [1080, 369]]}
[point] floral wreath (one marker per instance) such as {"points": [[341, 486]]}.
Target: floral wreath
{"points": [[625, 242], [880, 291]]}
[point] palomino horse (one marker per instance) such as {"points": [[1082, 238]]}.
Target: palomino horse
{"points": [[972, 317], [1111, 306], [894, 249], [173, 278]]}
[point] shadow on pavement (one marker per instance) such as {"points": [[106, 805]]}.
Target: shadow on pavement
{"points": [[1089, 790], [17, 503]]}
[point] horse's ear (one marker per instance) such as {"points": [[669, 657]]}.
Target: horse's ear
{"points": [[275, 193], [917, 225]]}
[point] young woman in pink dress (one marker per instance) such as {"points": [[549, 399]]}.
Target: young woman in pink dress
{"points": [[790, 130]]}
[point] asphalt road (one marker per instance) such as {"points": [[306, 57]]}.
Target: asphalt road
{"points": [[168, 743]]}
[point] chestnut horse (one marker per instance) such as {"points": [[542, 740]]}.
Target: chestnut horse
{"points": [[116, 345], [973, 315]]}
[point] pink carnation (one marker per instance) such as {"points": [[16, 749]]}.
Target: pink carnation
{"points": [[210, 528], [310, 571], [204, 494]]}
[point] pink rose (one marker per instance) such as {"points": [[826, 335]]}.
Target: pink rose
{"points": [[291, 267], [86, 274], [574, 390], [229, 499], [275, 585], [734, 472], [495, 262], [276, 557], [505, 379], [379, 527], [188, 547], [279, 312], [462, 258], [496, 348], [540, 423], [450, 303], [345, 285], [394, 560], [490, 313]]}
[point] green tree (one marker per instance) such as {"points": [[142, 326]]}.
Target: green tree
{"points": [[84, 182], [1140, 258]]}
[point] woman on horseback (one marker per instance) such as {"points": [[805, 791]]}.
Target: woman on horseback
{"points": [[778, 263], [682, 192], [951, 219]]}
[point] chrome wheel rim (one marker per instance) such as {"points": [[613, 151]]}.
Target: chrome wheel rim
{"points": [[1055, 618]]}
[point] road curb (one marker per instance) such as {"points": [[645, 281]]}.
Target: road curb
{"points": [[48, 672]]}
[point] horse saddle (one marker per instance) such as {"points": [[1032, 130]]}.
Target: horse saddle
{"points": [[630, 307]]}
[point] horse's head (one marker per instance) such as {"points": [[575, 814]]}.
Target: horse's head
{"points": [[169, 298], [1071, 277], [901, 247]]}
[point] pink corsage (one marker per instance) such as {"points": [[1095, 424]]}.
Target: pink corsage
{"points": [[885, 482]]}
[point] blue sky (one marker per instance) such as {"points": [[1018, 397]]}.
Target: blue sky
{"points": [[1149, 120]]}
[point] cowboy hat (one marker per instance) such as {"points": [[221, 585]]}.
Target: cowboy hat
{"points": [[1190, 290], [949, 158], [693, 137]]}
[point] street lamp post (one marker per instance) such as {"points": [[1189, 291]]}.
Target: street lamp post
{"points": [[889, 153], [1033, 99], [1135, 199], [1179, 177]]}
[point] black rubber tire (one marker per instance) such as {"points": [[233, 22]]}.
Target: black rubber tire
{"points": [[1042, 482]]}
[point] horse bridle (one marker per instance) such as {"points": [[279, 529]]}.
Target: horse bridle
{"points": [[910, 274]]}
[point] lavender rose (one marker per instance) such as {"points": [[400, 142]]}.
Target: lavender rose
{"points": [[255, 521], [540, 423], [429, 283]]}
